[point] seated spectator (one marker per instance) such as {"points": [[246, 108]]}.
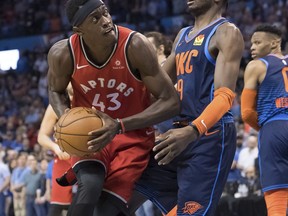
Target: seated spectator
{"points": [[248, 154]]}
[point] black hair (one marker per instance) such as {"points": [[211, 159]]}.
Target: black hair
{"points": [[269, 29], [72, 7], [160, 39]]}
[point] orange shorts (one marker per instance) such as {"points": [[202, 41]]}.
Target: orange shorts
{"points": [[60, 195], [125, 158]]}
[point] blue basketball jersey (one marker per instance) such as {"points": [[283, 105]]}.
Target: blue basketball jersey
{"points": [[272, 101], [195, 70]]}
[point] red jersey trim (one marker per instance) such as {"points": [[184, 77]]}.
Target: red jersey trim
{"points": [[111, 55]]}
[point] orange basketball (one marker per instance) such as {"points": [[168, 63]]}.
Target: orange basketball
{"points": [[72, 130]]}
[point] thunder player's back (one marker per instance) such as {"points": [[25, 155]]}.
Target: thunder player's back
{"points": [[272, 107], [195, 70], [272, 102]]}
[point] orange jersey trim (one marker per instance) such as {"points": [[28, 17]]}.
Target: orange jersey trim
{"points": [[248, 108], [173, 212], [221, 104]]}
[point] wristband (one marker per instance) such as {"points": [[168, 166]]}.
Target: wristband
{"points": [[195, 128], [122, 127]]}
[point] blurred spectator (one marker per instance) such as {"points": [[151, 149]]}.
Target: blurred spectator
{"points": [[23, 64], [248, 154], [4, 184], [17, 181], [31, 186], [234, 176]]}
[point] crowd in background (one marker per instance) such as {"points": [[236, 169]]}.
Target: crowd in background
{"points": [[23, 92]]}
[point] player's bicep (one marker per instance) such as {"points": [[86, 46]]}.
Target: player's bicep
{"points": [[170, 67], [229, 57], [60, 67], [252, 73], [170, 63]]}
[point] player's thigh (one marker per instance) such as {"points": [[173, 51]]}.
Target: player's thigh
{"points": [[129, 154], [203, 172], [159, 184], [110, 205], [273, 151]]}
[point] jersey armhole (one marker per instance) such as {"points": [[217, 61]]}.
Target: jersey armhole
{"points": [[135, 72], [71, 54]]}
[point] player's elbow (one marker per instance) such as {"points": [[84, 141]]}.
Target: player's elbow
{"points": [[246, 114], [40, 139], [176, 105]]}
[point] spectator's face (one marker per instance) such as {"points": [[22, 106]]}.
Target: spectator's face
{"points": [[44, 165], [159, 50], [33, 164], [250, 173], [252, 141], [30, 159], [21, 162], [260, 45]]}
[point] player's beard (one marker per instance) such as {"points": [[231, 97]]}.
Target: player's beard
{"points": [[199, 7]]}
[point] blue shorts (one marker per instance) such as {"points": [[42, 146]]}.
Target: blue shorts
{"points": [[193, 181], [273, 155]]}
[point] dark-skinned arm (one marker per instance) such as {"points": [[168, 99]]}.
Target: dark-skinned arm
{"points": [[225, 77], [170, 65], [142, 57], [59, 75]]}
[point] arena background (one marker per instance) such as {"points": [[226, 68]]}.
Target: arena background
{"points": [[28, 28]]}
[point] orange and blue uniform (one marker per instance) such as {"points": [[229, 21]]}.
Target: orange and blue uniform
{"points": [[272, 109], [196, 177]]}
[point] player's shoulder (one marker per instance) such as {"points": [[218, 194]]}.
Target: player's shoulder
{"points": [[255, 67], [138, 44], [229, 30], [255, 63], [60, 51], [59, 48]]}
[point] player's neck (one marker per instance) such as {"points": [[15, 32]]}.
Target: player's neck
{"points": [[277, 52], [204, 20]]}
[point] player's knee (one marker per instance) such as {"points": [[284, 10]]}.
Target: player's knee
{"points": [[90, 182]]}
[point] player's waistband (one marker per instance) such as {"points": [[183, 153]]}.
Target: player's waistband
{"points": [[186, 122], [282, 116]]}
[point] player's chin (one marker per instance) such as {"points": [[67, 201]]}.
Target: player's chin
{"points": [[254, 56]]}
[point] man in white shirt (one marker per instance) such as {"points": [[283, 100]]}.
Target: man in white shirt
{"points": [[248, 154]]}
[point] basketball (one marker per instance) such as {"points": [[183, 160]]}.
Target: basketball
{"points": [[72, 130]]}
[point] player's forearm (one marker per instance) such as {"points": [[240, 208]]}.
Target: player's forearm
{"points": [[46, 142], [161, 110], [221, 104], [248, 108], [59, 102]]}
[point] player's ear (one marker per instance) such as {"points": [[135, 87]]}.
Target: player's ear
{"points": [[275, 43], [161, 49]]}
